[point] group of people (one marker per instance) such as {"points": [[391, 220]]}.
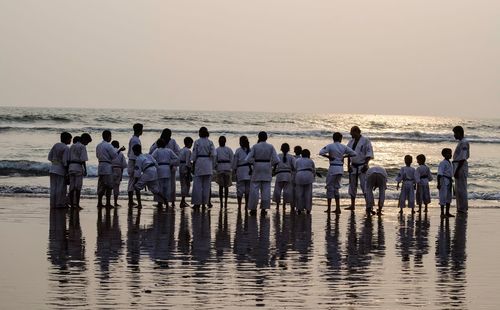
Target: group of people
{"points": [[253, 167]]}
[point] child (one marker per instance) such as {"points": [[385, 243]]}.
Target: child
{"points": [[105, 154], [58, 156], [138, 128], [304, 179], [185, 177], [423, 176], [445, 182], [263, 156], [407, 176], [376, 177], [145, 174], [297, 150], [283, 172], [119, 164], [224, 158], [203, 157], [243, 171], [77, 167], [335, 152], [166, 159]]}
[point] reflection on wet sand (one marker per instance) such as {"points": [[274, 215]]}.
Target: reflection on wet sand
{"points": [[177, 257]]}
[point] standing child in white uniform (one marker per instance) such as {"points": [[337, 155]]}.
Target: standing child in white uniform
{"points": [[131, 162], [461, 168], [203, 158], [105, 153], [423, 176], [185, 166], [262, 156], [283, 171], [445, 182], [77, 167], [166, 159], [119, 164], [58, 156], [223, 164], [304, 180], [243, 171], [335, 152], [170, 143], [297, 150], [146, 174], [406, 175], [358, 165]]}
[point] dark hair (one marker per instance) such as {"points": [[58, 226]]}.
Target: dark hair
{"points": [[77, 139], [355, 129], [262, 136], [137, 148], [245, 144], [458, 130], [115, 143], [421, 158], [297, 150], [166, 135], [160, 143], [203, 132], [285, 148], [137, 127], [445, 151], [188, 140], [306, 153], [86, 138], [337, 136], [409, 158], [106, 135], [222, 141], [66, 137]]}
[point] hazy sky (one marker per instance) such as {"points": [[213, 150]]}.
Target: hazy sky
{"points": [[436, 57]]}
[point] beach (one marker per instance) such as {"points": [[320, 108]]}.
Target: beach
{"points": [[223, 258]]}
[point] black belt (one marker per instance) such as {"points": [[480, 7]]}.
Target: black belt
{"points": [[357, 165], [182, 162], [336, 164], [202, 155], [262, 160], [283, 171], [75, 162], [224, 161], [148, 166], [244, 165], [306, 169], [163, 164], [105, 161], [117, 166], [424, 177]]}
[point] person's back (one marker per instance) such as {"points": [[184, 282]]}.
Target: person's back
{"points": [[406, 175], [58, 156], [304, 179], [147, 167], [262, 155], [224, 158], [284, 168], [166, 159], [305, 171], [445, 182], [203, 155], [376, 177], [105, 154], [77, 156]]}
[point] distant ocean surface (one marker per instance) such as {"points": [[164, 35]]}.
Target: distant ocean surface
{"points": [[27, 134]]}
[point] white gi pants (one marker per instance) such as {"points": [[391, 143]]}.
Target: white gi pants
{"points": [[407, 193], [57, 191], [461, 190], [354, 179], [286, 188], [445, 192], [375, 180], [304, 196], [171, 195], [164, 188], [242, 188], [130, 170], [201, 189], [264, 187], [333, 185], [423, 195]]}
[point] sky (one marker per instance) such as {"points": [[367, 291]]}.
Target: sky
{"points": [[355, 56]]}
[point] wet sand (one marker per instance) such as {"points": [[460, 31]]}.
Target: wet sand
{"points": [[223, 258]]}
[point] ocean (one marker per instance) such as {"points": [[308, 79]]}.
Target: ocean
{"points": [[27, 134]]}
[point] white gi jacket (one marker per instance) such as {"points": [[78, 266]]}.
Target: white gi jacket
{"points": [[224, 159], [263, 156], [203, 156], [336, 152], [241, 165], [146, 168], [165, 158], [58, 155], [306, 171], [133, 141], [363, 150], [105, 153], [77, 156]]}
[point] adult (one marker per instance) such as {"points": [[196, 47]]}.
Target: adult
{"points": [[461, 168], [131, 162], [105, 154], [358, 165], [335, 152], [203, 158], [263, 157], [59, 156]]}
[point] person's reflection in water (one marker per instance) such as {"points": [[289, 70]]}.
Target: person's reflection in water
{"points": [[222, 236], [421, 238], [302, 233], [379, 250], [458, 259], [200, 222], [333, 256], [158, 239], [134, 252], [262, 251], [404, 242], [76, 241], [281, 223], [184, 238]]}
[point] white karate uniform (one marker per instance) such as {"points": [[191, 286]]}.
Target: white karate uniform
{"points": [[445, 173], [131, 162], [223, 165], [203, 157], [77, 157], [105, 153], [462, 152], [283, 179], [119, 164], [262, 156], [304, 179], [376, 177], [336, 152], [58, 156], [243, 176], [166, 159], [185, 170], [147, 173], [171, 144], [406, 175], [423, 176], [363, 151]]}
